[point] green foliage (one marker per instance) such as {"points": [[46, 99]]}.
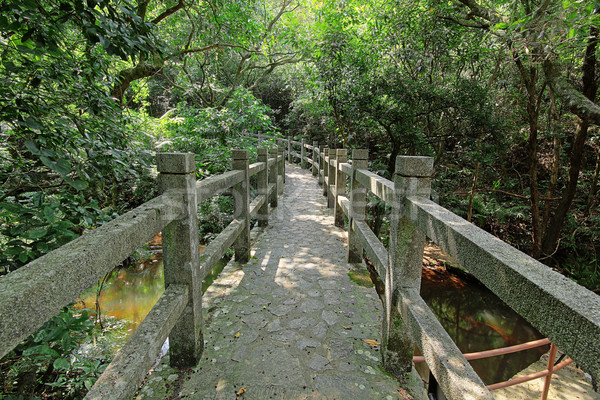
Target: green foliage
{"points": [[214, 216], [243, 114], [52, 356], [37, 226]]}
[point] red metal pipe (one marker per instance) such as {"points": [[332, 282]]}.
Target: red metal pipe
{"points": [[529, 377], [497, 352], [549, 369]]}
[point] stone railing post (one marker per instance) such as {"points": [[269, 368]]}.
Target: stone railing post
{"points": [[303, 154], [358, 202], [181, 257], [411, 178], [262, 184], [315, 158], [273, 177], [331, 174], [241, 209], [325, 171], [280, 169], [340, 187], [289, 149]]}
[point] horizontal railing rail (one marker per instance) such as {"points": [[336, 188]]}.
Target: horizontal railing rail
{"points": [[567, 313], [39, 290]]}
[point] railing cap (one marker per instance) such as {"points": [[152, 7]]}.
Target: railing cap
{"points": [[240, 154], [360, 154], [414, 166], [175, 163]]}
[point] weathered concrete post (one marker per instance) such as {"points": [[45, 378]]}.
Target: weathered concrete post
{"points": [[325, 171], [289, 149], [315, 158], [262, 183], [411, 178], [280, 169], [358, 202], [273, 177], [340, 187], [331, 174], [303, 154], [181, 257], [241, 209]]}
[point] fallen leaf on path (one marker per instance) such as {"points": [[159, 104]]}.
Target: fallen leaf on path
{"points": [[371, 342], [240, 392]]}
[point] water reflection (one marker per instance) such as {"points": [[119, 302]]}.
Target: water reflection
{"points": [[478, 320], [128, 294]]}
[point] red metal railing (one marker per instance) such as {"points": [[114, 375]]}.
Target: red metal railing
{"points": [[551, 368]]}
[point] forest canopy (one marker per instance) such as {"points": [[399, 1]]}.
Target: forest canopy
{"points": [[502, 94]]}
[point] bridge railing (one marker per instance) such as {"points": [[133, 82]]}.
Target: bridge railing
{"points": [[567, 313], [36, 292]]}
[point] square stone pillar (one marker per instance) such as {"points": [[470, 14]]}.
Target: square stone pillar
{"points": [[340, 187], [262, 184], [280, 169], [358, 202], [325, 171], [273, 153], [331, 178], [241, 209], [303, 154], [315, 158], [412, 177], [181, 250]]}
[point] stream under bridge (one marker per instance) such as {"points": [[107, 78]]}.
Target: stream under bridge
{"points": [[284, 320]]}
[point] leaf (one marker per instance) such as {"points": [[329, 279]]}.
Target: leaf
{"points": [[371, 342], [32, 147], [33, 123], [36, 234], [42, 349], [240, 392], [61, 363], [77, 183]]}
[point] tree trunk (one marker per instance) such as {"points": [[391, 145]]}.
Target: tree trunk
{"points": [[556, 222], [590, 88], [143, 69], [472, 195], [536, 227], [555, 162], [593, 188]]}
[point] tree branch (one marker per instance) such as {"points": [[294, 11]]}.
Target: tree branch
{"points": [[168, 12], [578, 104]]}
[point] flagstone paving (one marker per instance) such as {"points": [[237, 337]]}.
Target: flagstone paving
{"points": [[289, 324]]}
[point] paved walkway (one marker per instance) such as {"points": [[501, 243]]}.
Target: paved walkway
{"points": [[290, 324]]}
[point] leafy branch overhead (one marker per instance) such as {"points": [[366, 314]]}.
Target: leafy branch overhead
{"points": [[537, 35], [242, 48]]}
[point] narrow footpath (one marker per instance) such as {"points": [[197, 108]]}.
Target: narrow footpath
{"points": [[290, 324]]}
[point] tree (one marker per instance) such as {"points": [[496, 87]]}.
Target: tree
{"points": [[540, 38]]}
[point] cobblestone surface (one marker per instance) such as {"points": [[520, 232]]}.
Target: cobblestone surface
{"points": [[289, 324]]}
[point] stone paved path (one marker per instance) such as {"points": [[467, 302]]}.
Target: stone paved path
{"points": [[290, 324]]}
